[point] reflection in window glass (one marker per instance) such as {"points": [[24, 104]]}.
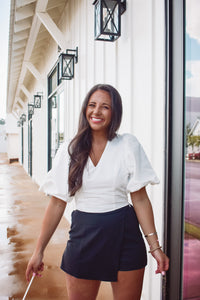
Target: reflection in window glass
{"points": [[54, 125], [191, 271], [52, 81], [57, 122], [61, 118]]}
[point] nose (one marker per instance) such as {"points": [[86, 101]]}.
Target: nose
{"points": [[96, 110]]}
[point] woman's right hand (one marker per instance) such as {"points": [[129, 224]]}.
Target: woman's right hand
{"points": [[52, 217], [35, 265]]}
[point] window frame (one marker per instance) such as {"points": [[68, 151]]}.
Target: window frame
{"points": [[51, 93], [174, 147]]}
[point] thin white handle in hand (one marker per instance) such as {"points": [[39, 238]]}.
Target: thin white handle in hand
{"points": [[29, 286]]}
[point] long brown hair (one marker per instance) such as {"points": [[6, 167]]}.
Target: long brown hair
{"points": [[80, 146]]}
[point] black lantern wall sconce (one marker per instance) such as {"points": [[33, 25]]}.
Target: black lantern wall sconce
{"points": [[107, 14], [30, 111], [23, 118], [66, 63], [37, 100], [21, 121]]}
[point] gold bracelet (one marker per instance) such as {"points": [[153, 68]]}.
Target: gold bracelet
{"points": [[150, 251], [150, 234]]}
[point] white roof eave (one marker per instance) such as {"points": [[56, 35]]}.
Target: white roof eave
{"points": [[26, 17]]}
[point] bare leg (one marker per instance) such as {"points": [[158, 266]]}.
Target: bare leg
{"points": [[81, 289], [129, 285]]}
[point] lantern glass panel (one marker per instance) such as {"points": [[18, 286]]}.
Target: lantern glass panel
{"points": [[30, 111], [110, 17], [107, 20], [37, 101], [66, 66], [60, 67], [97, 20]]}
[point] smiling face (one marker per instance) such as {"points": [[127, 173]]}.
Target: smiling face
{"points": [[99, 111]]}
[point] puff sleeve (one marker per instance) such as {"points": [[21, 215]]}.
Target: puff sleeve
{"points": [[56, 180], [140, 171]]}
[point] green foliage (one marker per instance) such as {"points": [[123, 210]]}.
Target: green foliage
{"points": [[191, 140]]}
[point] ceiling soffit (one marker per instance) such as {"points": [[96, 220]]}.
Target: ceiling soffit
{"points": [[27, 44]]}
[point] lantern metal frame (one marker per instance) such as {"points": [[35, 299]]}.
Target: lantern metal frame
{"points": [[21, 120], [38, 100], [66, 63], [108, 27], [30, 110]]}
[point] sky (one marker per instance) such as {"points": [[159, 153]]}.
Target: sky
{"points": [[4, 29], [192, 48]]}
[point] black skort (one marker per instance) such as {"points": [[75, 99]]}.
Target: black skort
{"points": [[101, 244]]}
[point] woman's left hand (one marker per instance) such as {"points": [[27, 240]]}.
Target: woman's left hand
{"points": [[162, 261]]}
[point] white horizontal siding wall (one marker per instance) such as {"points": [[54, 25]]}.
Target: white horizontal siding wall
{"points": [[134, 64]]}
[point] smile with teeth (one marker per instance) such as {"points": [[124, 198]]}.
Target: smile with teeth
{"points": [[96, 119]]}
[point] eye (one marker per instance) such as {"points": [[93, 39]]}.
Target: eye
{"points": [[91, 104], [106, 107]]}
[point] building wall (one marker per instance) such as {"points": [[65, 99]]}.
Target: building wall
{"points": [[135, 65], [13, 146], [13, 137], [3, 139]]}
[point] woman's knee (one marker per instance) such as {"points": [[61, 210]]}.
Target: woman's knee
{"points": [[129, 285], [81, 289]]}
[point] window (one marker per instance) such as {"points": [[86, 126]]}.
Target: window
{"points": [[55, 115], [191, 250]]}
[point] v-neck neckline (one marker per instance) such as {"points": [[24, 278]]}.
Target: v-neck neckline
{"points": [[102, 155]]}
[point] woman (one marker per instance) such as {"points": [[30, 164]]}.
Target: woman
{"points": [[100, 168]]}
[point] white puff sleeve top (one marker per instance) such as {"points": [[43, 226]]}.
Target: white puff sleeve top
{"points": [[56, 180], [122, 168]]}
